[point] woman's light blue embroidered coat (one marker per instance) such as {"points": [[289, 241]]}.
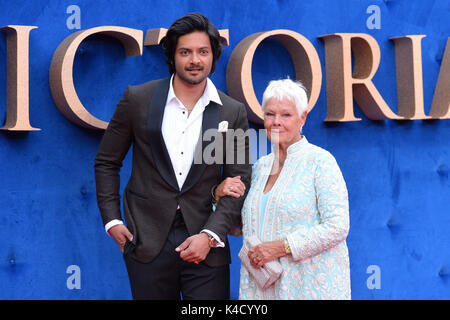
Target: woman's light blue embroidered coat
{"points": [[308, 206]]}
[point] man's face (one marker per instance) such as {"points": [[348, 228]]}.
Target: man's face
{"points": [[193, 57]]}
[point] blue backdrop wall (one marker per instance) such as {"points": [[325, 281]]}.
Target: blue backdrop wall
{"points": [[396, 172]]}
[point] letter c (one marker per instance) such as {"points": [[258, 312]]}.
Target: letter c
{"points": [[61, 72], [240, 309]]}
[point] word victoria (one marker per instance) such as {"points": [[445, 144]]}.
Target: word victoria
{"points": [[351, 61]]}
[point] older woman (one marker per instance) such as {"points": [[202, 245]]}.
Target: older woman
{"points": [[297, 205]]}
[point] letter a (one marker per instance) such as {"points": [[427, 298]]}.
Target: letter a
{"points": [[374, 21], [74, 21], [374, 281], [74, 281], [440, 107]]}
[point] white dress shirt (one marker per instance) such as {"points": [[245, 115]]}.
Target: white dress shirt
{"points": [[181, 131]]}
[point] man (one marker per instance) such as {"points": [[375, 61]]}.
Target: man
{"points": [[172, 242]]}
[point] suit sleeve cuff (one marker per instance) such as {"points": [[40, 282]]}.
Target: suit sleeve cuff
{"points": [[111, 224], [217, 242]]}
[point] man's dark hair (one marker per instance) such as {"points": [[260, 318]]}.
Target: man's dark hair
{"points": [[185, 25]]}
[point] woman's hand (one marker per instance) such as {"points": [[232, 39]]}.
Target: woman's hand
{"points": [[232, 187], [265, 252]]}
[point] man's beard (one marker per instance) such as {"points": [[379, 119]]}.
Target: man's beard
{"points": [[189, 80]]}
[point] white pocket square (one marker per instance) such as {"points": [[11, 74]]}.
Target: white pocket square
{"points": [[223, 126]]}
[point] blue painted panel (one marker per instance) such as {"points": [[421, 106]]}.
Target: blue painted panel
{"points": [[396, 172]]}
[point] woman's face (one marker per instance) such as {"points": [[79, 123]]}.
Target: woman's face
{"points": [[282, 122]]}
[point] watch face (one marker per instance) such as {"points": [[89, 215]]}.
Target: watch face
{"points": [[286, 247]]}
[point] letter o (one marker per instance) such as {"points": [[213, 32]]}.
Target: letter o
{"points": [[239, 70]]}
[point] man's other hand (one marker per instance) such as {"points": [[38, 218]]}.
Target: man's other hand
{"points": [[120, 233], [195, 248]]}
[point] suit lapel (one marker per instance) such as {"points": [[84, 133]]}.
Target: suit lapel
{"points": [[210, 121], [157, 145]]}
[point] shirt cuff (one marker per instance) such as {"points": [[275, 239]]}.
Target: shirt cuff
{"points": [[111, 224], [217, 242]]}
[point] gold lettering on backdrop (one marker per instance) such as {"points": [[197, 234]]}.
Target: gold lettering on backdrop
{"points": [[344, 81], [239, 70], [343, 85], [440, 107], [224, 37], [153, 37], [17, 78], [61, 71], [408, 62]]}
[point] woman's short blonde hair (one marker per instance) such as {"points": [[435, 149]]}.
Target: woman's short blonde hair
{"points": [[293, 91]]}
